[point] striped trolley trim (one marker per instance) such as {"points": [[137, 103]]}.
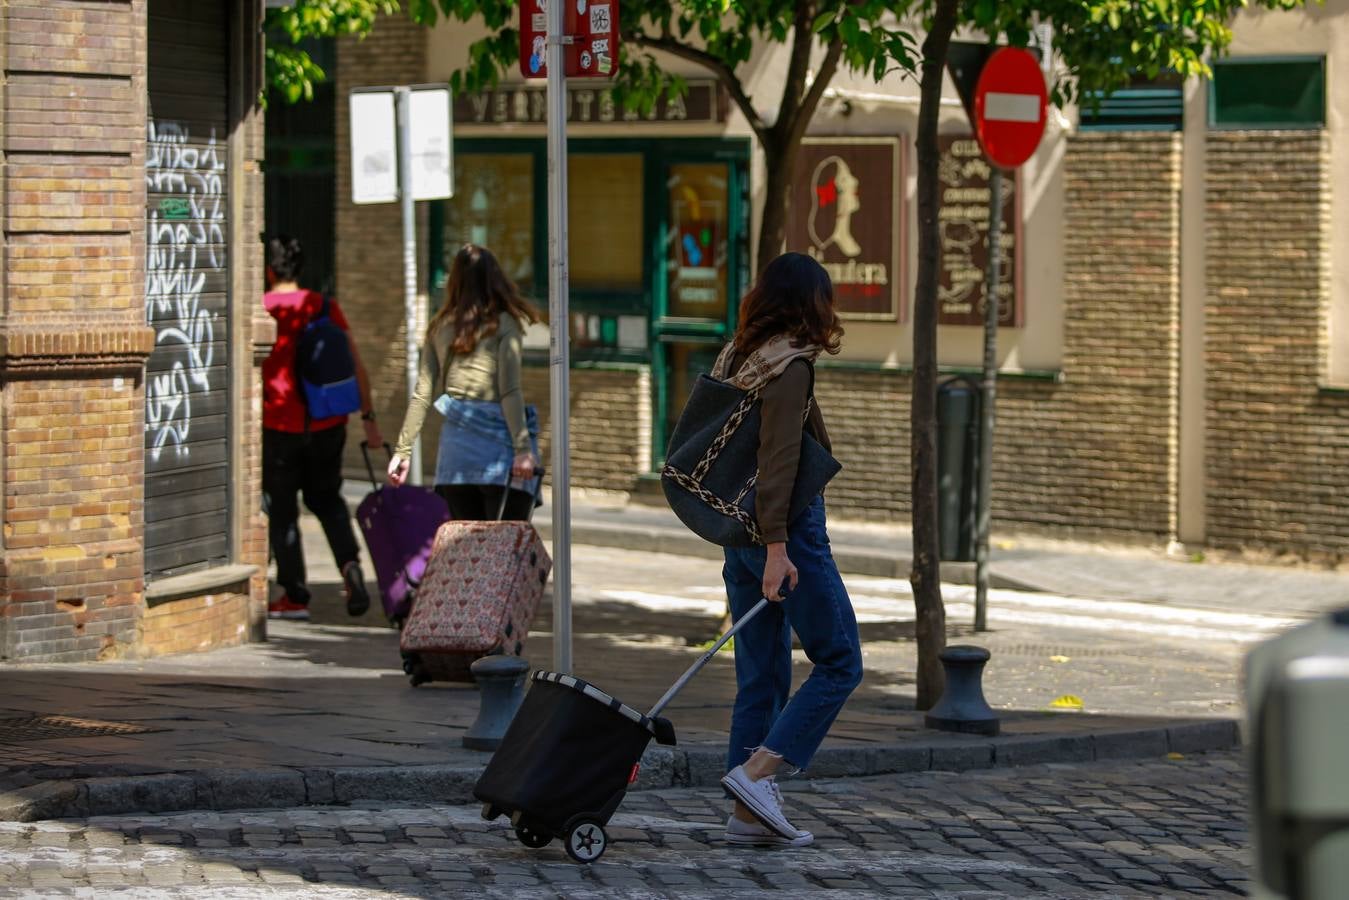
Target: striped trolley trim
{"points": [[595, 693]]}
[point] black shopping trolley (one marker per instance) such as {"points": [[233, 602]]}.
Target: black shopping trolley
{"points": [[569, 756]]}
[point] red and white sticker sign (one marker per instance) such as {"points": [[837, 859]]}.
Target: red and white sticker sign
{"points": [[533, 33], [593, 27], [1010, 107]]}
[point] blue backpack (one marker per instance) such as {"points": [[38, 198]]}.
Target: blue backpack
{"points": [[326, 368]]}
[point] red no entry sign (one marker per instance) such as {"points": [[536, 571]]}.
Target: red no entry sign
{"points": [[1010, 104]]}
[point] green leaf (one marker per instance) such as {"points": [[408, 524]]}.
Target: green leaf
{"points": [[823, 21]]}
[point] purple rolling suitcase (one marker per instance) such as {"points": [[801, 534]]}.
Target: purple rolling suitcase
{"points": [[400, 525]]}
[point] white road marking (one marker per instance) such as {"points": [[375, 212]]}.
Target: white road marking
{"points": [[878, 600]]}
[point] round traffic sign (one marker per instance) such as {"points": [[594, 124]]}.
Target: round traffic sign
{"points": [[1010, 107]]}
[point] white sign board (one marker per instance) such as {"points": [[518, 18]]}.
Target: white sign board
{"points": [[374, 147], [374, 144], [432, 146]]}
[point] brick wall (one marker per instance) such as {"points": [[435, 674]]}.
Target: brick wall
{"points": [[198, 623], [607, 418], [72, 328], [867, 414], [1098, 453], [369, 277], [254, 331], [73, 339], [1094, 454], [1277, 445]]}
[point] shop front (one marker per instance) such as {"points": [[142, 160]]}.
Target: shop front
{"points": [[658, 234]]}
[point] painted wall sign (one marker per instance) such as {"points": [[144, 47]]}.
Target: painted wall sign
{"points": [[845, 212], [963, 216], [527, 104]]}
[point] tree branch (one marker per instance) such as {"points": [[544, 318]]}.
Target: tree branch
{"points": [[725, 74], [806, 111], [803, 38]]}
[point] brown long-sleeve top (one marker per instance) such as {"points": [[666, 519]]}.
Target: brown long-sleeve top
{"points": [[490, 372], [780, 430]]}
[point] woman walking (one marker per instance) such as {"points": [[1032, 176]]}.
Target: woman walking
{"points": [[470, 364], [786, 321]]}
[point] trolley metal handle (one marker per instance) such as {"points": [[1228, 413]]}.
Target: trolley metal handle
{"points": [[365, 452], [537, 478], [702, 660]]}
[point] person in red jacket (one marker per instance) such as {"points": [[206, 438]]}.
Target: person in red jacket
{"points": [[301, 455]]}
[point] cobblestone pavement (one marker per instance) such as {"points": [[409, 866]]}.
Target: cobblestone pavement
{"points": [[1162, 828]]}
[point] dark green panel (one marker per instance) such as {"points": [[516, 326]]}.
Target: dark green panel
{"points": [[1287, 92]]}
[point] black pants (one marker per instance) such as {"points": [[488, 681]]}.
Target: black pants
{"points": [[479, 502], [312, 464]]}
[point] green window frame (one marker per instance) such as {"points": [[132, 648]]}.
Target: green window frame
{"points": [[649, 302], [1268, 93]]}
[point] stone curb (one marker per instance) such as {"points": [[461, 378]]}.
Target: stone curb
{"points": [[872, 563], [662, 767]]}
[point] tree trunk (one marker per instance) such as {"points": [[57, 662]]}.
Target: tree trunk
{"points": [[926, 574], [777, 200]]}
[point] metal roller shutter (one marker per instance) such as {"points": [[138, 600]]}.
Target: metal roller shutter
{"points": [[187, 379]]}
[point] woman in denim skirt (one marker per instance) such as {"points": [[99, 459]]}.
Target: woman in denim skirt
{"points": [[470, 365], [786, 321]]}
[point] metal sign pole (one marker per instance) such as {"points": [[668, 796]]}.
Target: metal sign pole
{"points": [[986, 407], [559, 360], [403, 99]]}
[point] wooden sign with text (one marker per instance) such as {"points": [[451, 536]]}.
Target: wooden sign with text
{"points": [[963, 220]]}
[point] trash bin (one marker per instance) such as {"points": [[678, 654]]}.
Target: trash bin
{"points": [[1297, 697], [957, 466]]}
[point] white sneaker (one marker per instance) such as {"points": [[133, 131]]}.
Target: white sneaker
{"points": [[763, 799], [756, 834]]}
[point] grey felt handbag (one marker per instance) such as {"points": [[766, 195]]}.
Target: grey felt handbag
{"points": [[711, 466]]}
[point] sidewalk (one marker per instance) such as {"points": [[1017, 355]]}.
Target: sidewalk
{"points": [[321, 713], [1076, 569]]}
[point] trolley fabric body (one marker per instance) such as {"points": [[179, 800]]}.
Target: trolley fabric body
{"points": [[566, 761], [570, 754]]}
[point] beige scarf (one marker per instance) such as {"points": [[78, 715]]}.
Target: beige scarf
{"points": [[763, 365]]}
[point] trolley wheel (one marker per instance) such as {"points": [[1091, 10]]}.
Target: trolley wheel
{"points": [[535, 840], [586, 841]]}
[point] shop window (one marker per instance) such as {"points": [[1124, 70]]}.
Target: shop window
{"points": [[1287, 92], [697, 249], [493, 205], [604, 223]]}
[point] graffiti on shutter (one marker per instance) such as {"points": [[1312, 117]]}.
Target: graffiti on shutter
{"points": [[187, 289]]}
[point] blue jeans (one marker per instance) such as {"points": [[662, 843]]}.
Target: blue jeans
{"points": [[821, 614]]}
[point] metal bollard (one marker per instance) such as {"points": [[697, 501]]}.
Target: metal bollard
{"points": [[501, 689], [962, 706]]}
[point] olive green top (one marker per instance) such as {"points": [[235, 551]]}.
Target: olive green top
{"points": [[491, 372]]}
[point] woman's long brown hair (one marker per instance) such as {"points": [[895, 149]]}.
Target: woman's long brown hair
{"points": [[793, 296], [477, 294]]}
